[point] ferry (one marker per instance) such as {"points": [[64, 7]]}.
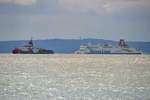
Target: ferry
{"points": [[122, 48]]}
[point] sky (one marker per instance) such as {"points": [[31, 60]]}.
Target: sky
{"points": [[74, 19]]}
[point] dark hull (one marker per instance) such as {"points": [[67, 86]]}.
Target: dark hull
{"points": [[30, 52], [45, 52]]}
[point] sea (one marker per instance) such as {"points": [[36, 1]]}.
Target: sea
{"points": [[74, 77]]}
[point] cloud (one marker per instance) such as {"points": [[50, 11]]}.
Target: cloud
{"points": [[20, 2], [98, 6], [82, 5]]}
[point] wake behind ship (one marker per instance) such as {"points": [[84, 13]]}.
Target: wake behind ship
{"points": [[122, 48], [30, 49]]}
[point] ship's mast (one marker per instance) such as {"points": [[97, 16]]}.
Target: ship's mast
{"points": [[30, 42]]}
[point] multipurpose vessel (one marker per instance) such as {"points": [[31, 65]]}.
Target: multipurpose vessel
{"points": [[30, 49], [122, 48]]}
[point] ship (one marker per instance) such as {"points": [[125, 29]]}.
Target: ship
{"points": [[31, 49], [122, 48]]}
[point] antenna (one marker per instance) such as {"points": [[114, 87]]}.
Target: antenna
{"points": [[31, 38]]}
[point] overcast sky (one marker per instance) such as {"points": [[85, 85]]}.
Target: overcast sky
{"points": [[103, 19]]}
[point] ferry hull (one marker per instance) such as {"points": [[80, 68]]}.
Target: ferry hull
{"points": [[109, 52], [116, 53]]}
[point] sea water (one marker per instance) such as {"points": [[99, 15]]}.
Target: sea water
{"points": [[74, 77]]}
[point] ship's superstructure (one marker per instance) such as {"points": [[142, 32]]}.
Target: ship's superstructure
{"points": [[30, 49], [122, 48]]}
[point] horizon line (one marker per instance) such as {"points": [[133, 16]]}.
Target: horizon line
{"points": [[73, 39]]}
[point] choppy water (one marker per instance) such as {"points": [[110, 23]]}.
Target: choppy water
{"points": [[74, 77]]}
